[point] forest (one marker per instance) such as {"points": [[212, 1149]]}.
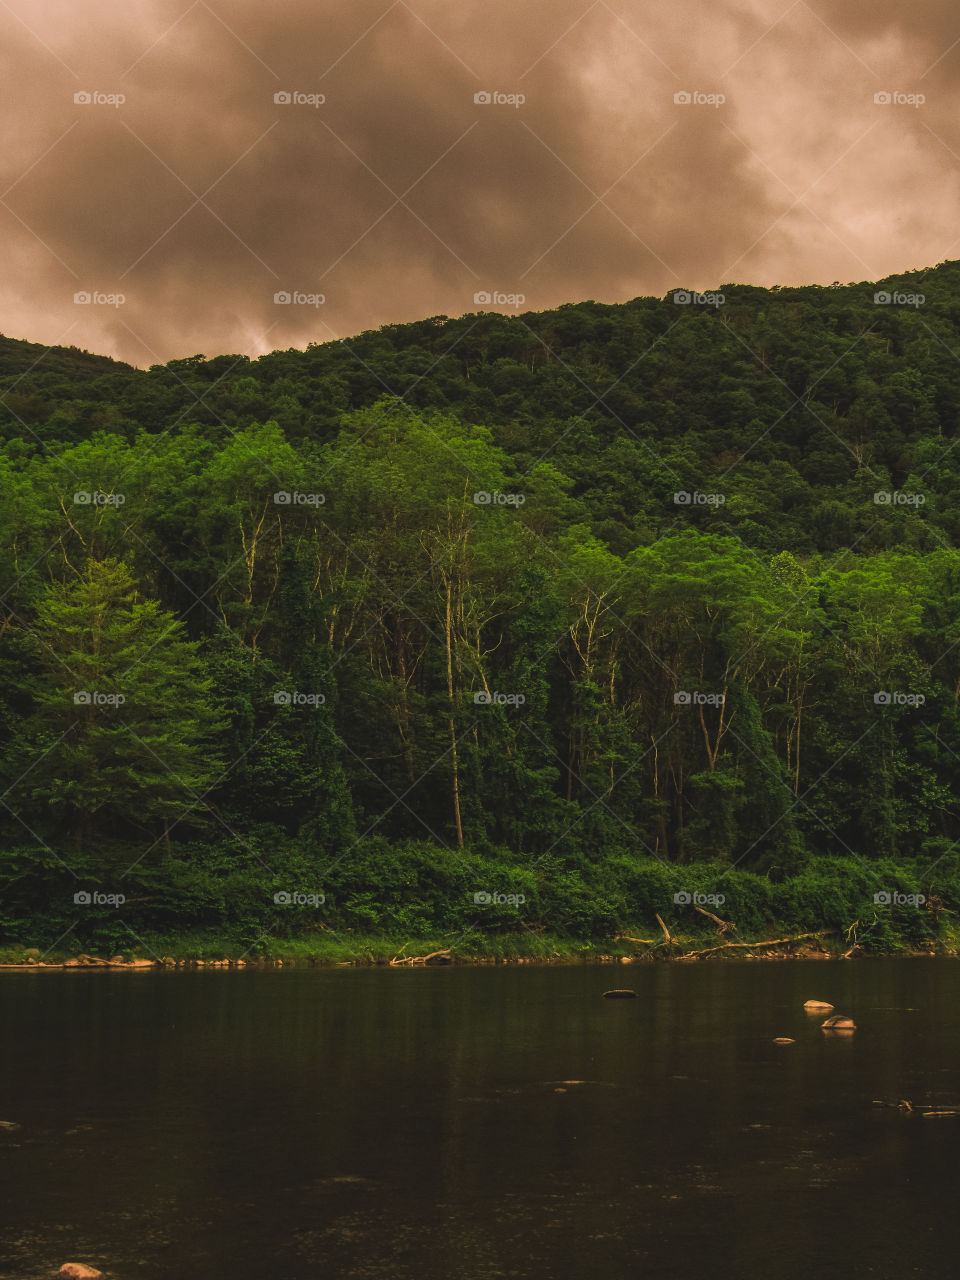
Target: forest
{"points": [[540, 624]]}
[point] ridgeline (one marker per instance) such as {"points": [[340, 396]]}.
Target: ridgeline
{"points": [[491, 635]]}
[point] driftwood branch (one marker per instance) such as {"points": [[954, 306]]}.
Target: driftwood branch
{"points": [[666, 931], [397, 960], [625, 937], [725, 925], [758, 946]]}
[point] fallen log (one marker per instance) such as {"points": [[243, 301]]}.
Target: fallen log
{"points": [[666, 931], [397, 960], [625, 937], [725, 925], [772, 942]]}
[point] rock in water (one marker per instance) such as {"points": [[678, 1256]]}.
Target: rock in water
{"points": [[620, 994], [783, 1040], [77, 1271], [839, 1023], [817, 1006]]}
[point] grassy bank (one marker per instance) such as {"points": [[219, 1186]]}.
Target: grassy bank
{"points": [[383, 902], [327, 950]]}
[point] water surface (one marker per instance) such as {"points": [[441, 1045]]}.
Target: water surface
{"points": [[421, 1125]]}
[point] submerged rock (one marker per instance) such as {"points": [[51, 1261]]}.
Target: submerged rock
{"points": [[77, 1271], [817, 1006], [839, 1022], [783, 1040], [620, 994]]}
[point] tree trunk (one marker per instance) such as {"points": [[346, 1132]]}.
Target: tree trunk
{"points": [[453, 724]]}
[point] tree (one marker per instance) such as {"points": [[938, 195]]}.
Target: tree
{"points": [[124, 721]]}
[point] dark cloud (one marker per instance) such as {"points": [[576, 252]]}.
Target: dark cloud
{"points": [[401, 197]]}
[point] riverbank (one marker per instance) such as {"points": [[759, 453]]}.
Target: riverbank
{"points": [[224, 952]]}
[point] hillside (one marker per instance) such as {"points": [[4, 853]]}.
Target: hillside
{"points": [[587, 608]]}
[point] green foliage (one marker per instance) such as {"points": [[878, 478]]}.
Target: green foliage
{"points": [[417, 616]]}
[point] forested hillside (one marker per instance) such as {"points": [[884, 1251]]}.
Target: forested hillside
{"points": [[585, 608]]}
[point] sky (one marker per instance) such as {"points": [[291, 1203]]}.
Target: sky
{"points": [[184, 177]]}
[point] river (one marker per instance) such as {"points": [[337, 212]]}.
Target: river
{"points": [[371, 1124]]}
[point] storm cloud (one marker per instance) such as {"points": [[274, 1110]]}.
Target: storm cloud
{"points": [[187, 167]]}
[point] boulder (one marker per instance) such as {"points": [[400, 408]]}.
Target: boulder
{"points": [[817, 1006], [77, 1271], [839, 1022]]}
